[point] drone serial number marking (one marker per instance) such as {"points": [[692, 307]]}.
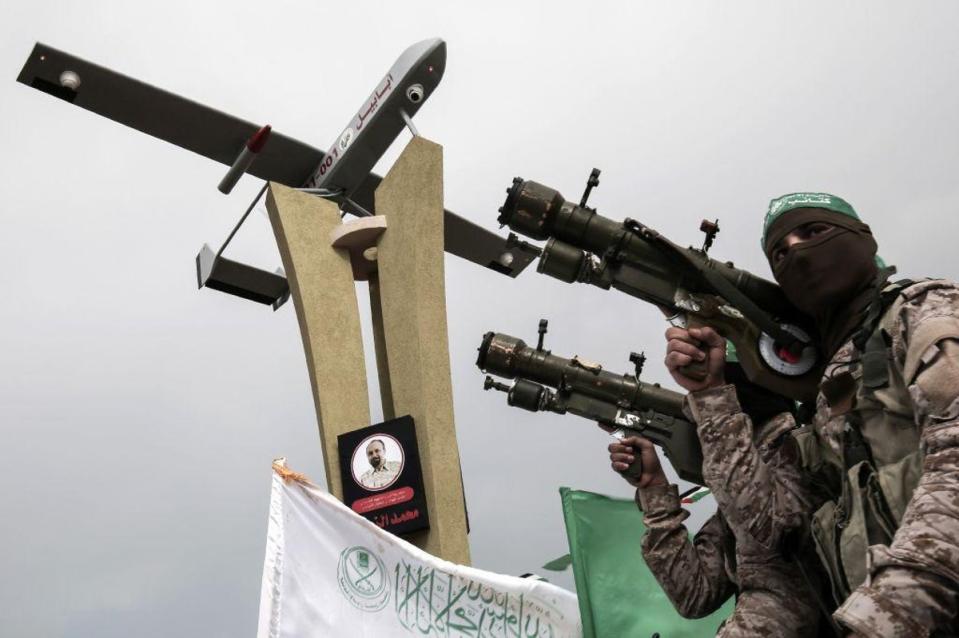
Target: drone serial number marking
{"points": [[329, 160]]}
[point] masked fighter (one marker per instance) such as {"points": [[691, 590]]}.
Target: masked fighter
{"points": [[878, 496]]}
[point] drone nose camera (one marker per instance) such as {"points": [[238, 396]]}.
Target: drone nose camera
{"points": [[415, 93], [70, 80]]}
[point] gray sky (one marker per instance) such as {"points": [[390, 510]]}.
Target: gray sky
{"points": [[140, 416]]}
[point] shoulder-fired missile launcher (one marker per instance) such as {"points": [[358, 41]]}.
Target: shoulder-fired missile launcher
{"points": [[774, 341]]}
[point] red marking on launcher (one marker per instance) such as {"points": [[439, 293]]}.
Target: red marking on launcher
{"points": [[788, 356]]}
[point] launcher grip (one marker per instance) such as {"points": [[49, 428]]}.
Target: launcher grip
{"points": [[635, 469], [696, 370]]}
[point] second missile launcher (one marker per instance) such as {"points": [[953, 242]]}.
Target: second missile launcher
{"points": [[547, 382]]}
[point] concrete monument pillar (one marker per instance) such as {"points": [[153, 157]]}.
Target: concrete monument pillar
{"points": [[400, 253]]}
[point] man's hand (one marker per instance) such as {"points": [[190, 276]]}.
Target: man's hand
{"points": [[696, 345], [636, 460]]}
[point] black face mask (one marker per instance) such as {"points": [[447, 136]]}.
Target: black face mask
{"points": [[832, 277], [828, 270]]}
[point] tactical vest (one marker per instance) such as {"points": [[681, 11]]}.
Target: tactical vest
{"points": [[872, 476]]}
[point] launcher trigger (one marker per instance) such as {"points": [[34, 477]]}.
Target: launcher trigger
{"points": [[619, 434]]}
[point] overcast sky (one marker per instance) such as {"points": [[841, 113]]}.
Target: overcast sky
{"points": [[140, 415]]}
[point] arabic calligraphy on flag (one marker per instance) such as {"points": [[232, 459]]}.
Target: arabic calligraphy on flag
{"points": [[330, 572]]}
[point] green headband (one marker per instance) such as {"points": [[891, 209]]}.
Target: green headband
{"points": [[781, 205]]}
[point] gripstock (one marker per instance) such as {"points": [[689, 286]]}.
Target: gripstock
{"points": [[546, 382], [772, 338]]}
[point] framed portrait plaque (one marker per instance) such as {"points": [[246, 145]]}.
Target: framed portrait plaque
{"points": [[382, 477]]}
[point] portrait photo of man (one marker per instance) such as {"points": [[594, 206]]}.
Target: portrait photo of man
{"points": [[382, 470]]}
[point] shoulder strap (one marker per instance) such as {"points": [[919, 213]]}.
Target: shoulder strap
{"points": [[873, 339], [854, 449]]}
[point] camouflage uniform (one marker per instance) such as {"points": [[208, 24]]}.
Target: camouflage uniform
{"points": [[908, 582], [699, 575]]}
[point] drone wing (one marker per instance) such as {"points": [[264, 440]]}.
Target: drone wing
{"points": [[162, 114], [221, 137]]}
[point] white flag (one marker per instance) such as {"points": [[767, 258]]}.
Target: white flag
{"points": [[330, 572]]}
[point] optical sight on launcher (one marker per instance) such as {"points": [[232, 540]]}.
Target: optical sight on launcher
{"points": [[773, 340], [583, 388]]}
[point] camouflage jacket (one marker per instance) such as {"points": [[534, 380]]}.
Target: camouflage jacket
{"points": [[699, 574], [911, 585]]}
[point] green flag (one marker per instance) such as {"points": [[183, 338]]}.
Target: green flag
{"points": [[618, 596]]}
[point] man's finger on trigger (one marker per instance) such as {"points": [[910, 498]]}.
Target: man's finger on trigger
{"points": [[708, 336], [713, 338], [685, 348], [684, 336], [674, 332], [644, 444]]}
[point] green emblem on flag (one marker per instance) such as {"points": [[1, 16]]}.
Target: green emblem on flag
{"points": [[364, 582]]}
